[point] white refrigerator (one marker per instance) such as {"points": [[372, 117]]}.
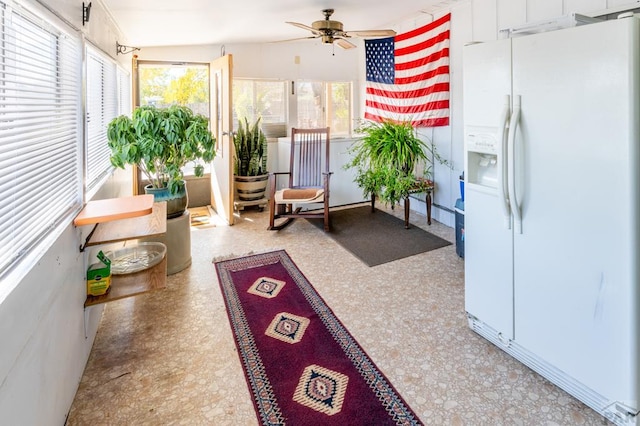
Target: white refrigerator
{"points": [[552, 160]]}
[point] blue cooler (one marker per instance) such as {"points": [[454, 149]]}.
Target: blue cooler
{"points": [[460, 227]]}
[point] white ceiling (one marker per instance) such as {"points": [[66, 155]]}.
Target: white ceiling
{"points": [[147, 23]]}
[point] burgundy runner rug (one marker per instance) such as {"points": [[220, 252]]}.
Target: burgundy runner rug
{"points": [[301, 364]]}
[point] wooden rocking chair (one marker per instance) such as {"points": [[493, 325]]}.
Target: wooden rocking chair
{"points": [[308, 181]]}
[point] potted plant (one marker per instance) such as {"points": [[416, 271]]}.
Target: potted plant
{"points": [[161, 142], [250, 168], [385, 160]]}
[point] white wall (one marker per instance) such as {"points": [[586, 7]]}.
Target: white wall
{"points": [[46, 335]]}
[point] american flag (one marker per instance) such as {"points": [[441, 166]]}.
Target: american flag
{"points": [[408, 76]]}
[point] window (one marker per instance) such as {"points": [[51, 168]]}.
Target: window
{"points": [[102, 107], [163, 84], [323, 104], [319, 104], [40, 135], [260, 98]]}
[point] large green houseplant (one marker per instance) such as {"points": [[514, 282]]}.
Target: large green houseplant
{"points": [[161, 142], [385, 160], [250, 167]]}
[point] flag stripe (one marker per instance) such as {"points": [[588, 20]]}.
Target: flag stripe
{"points": [[444, 36], [424, 29], [406, 90], [408, 75], [410, 109], [435, 76], [427, 122], [421, 62], [425, 91]]}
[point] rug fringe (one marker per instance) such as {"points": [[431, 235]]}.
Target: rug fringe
{"points": [[250, 253]]}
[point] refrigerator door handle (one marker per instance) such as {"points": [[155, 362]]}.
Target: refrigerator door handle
{"points": [[512, 169], [502, 163]]}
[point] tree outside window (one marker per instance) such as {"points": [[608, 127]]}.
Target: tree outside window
{"points": [[166, 84]]}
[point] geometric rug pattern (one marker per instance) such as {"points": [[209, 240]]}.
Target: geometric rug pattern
{"points": [[301, 364], [321, 389], [287, 327]]}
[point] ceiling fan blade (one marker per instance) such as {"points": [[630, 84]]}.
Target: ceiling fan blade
{"points": [[304, 27], [345, 44], [293, 39], [371, 33]]}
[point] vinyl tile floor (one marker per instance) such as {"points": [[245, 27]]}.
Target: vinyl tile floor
{"points": [[169, 358]]}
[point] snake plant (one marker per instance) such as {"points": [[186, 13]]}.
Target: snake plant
{"points": [[250, 149]]}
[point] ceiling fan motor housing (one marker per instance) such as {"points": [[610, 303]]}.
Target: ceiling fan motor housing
{"points": [[327, 26]]}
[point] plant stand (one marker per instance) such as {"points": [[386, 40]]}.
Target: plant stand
{"points": [[421, 186], [178, 242], [261, 203]]}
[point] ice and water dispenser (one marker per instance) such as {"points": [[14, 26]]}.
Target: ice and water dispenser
{"points": [[481, 170], [482, 156]]}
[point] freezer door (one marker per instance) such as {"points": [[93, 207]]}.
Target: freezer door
{"points": [[575, 259], [488, 262], [488, 237]]}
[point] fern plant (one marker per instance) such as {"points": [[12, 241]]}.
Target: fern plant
{"points": [[385, 159], [250, 149]]}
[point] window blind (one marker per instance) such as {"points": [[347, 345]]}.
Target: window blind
{"points": [[40, 132], [102, 107]]}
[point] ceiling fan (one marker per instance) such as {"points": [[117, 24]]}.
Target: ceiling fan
{"points": [[330, 31]]}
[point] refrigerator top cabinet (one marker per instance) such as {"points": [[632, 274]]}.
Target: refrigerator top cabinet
{"points": [[552, 203]]}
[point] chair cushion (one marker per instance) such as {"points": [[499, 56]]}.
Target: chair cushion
{"points": [[299, 195]]}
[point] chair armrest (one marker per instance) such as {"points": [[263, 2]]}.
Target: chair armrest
{"points": [[273, 182]]}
